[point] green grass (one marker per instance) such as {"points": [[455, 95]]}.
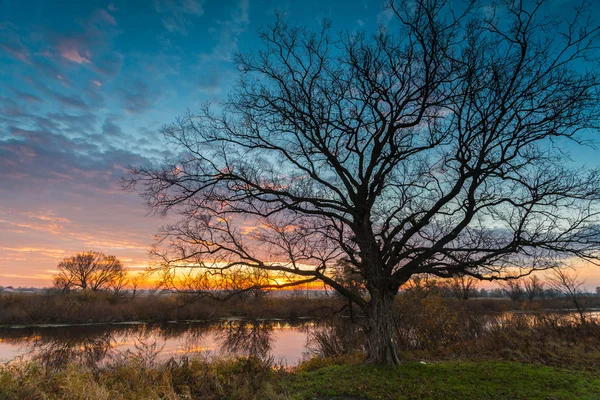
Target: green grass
{"points": [[317, 379], [445, 380]]}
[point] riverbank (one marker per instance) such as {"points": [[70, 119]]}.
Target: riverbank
{"points": [[98, 307], [250, 378], [450, 349]]}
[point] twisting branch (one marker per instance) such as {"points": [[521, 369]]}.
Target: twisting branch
{"points": [[435, 146]]}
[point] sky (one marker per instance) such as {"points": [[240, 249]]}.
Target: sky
{"points": [[85, 87]]}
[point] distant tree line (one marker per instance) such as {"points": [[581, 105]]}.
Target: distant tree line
{"points": [[95, 271], [560, 284]]}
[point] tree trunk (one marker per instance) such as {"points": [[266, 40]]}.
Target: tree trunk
{"points": [[380, 332]]}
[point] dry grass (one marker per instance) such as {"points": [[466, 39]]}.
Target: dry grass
{"points": [[86, 307]]}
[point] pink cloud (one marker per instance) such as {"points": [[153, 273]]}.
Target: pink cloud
{"points": [[96, 35], [96, 82], [72, 50], [20, 53], [104, 16]]}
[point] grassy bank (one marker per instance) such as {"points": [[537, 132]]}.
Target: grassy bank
{"points": [[316, 379]]}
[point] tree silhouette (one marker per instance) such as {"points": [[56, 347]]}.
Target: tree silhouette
{"points": [[89, 270], [436, 146], [463, 286], [533, 286]]}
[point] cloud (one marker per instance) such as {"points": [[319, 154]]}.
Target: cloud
{"points": [[104, 17], [70, 101], [16, 51], [27, 97], [97, 32], [108, 64], [11, 44], [42, 159], [73, 123], [228, 33], [44, 221], [137, 97], [47, 67], [74, 50], [177, 13], [214, 80], [385, 16], [109, 128]]}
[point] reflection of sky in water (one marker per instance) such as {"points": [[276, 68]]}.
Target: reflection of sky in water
{"points": [[283, 342]]}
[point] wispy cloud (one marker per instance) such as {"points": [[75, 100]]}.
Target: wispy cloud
{"points": [[178, 14], [11, 44], [74, 50], [27, 97], [137, 96], [95, 33], [18, 52], [228, 33]]}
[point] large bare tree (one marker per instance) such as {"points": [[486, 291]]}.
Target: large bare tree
{"points": [[435, 146], [89, 270]]}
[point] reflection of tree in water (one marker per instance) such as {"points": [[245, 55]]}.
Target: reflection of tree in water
{"points": [[247, 338], [58, 346], [87, 351], [334, 337], [193, 331], [190, 336], [96, 345]]}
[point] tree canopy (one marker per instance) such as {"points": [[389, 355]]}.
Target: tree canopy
{"points": [[435, 146]]}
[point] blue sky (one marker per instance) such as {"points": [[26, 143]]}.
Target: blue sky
{"points": [[84, 89]]}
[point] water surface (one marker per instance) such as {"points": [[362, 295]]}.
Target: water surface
{"points": [[283, 341]]}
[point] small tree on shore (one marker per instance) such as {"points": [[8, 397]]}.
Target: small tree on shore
{"points": [[89, 270], [514, 290], [569, 285], [533, 287], [426, 148], [463, 286]]}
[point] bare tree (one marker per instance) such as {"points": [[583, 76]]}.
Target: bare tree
{"points": [[533, 287], [569, 284], [514, 290], [119, 283], [463, 286], [89, 270], [433, 147], [135, 282]]}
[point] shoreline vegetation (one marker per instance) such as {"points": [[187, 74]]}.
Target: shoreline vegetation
{"points": [[87, 307], [450, 349], [105, 307]]}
